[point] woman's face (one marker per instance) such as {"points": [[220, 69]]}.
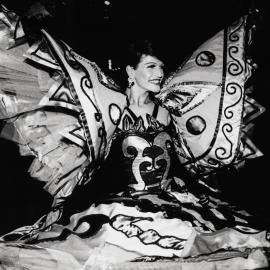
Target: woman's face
{"points": [[149, 74]]}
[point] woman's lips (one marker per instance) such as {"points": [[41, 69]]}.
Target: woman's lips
{"points": [[156, 82]]}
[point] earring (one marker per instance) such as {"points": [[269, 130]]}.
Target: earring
{"points": [[130, 82]]}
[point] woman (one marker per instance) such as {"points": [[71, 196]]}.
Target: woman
{"points": [[144, 122], [138, 205]]}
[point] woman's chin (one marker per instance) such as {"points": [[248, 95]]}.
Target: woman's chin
{"points": [[155, 90]]}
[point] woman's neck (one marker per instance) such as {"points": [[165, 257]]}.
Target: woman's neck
{"points": [[138, 97]]}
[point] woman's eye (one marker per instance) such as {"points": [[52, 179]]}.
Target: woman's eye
{"points": [[151, 66]]}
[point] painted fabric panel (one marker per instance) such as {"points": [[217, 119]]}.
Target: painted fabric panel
{"points": [[207, 99]]}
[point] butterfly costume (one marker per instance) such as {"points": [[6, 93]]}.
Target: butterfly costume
{"points": [[62, 109]]}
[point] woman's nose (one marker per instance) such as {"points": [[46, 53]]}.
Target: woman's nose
{"points": [[159, 72]]}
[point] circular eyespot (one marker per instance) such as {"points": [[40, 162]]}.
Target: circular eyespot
{"points": [[196, 125], [115, 113], [205, 59]]}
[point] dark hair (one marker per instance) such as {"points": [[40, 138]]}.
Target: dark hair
{"points": [[139, 48]]}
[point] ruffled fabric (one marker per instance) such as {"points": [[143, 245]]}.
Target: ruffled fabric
{"points": [[115, 236], [62, 112], [20, 82]]}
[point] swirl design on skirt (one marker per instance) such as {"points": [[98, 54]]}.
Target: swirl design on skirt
{"points": [[222, 152], [126, 225], [86, 84], [234, 37], [234, 68], [233, 89]]}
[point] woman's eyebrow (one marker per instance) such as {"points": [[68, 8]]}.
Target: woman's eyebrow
{"points": [[155, 63]]}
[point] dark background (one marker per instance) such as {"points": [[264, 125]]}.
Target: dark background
{"points": [[100, 32]]}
